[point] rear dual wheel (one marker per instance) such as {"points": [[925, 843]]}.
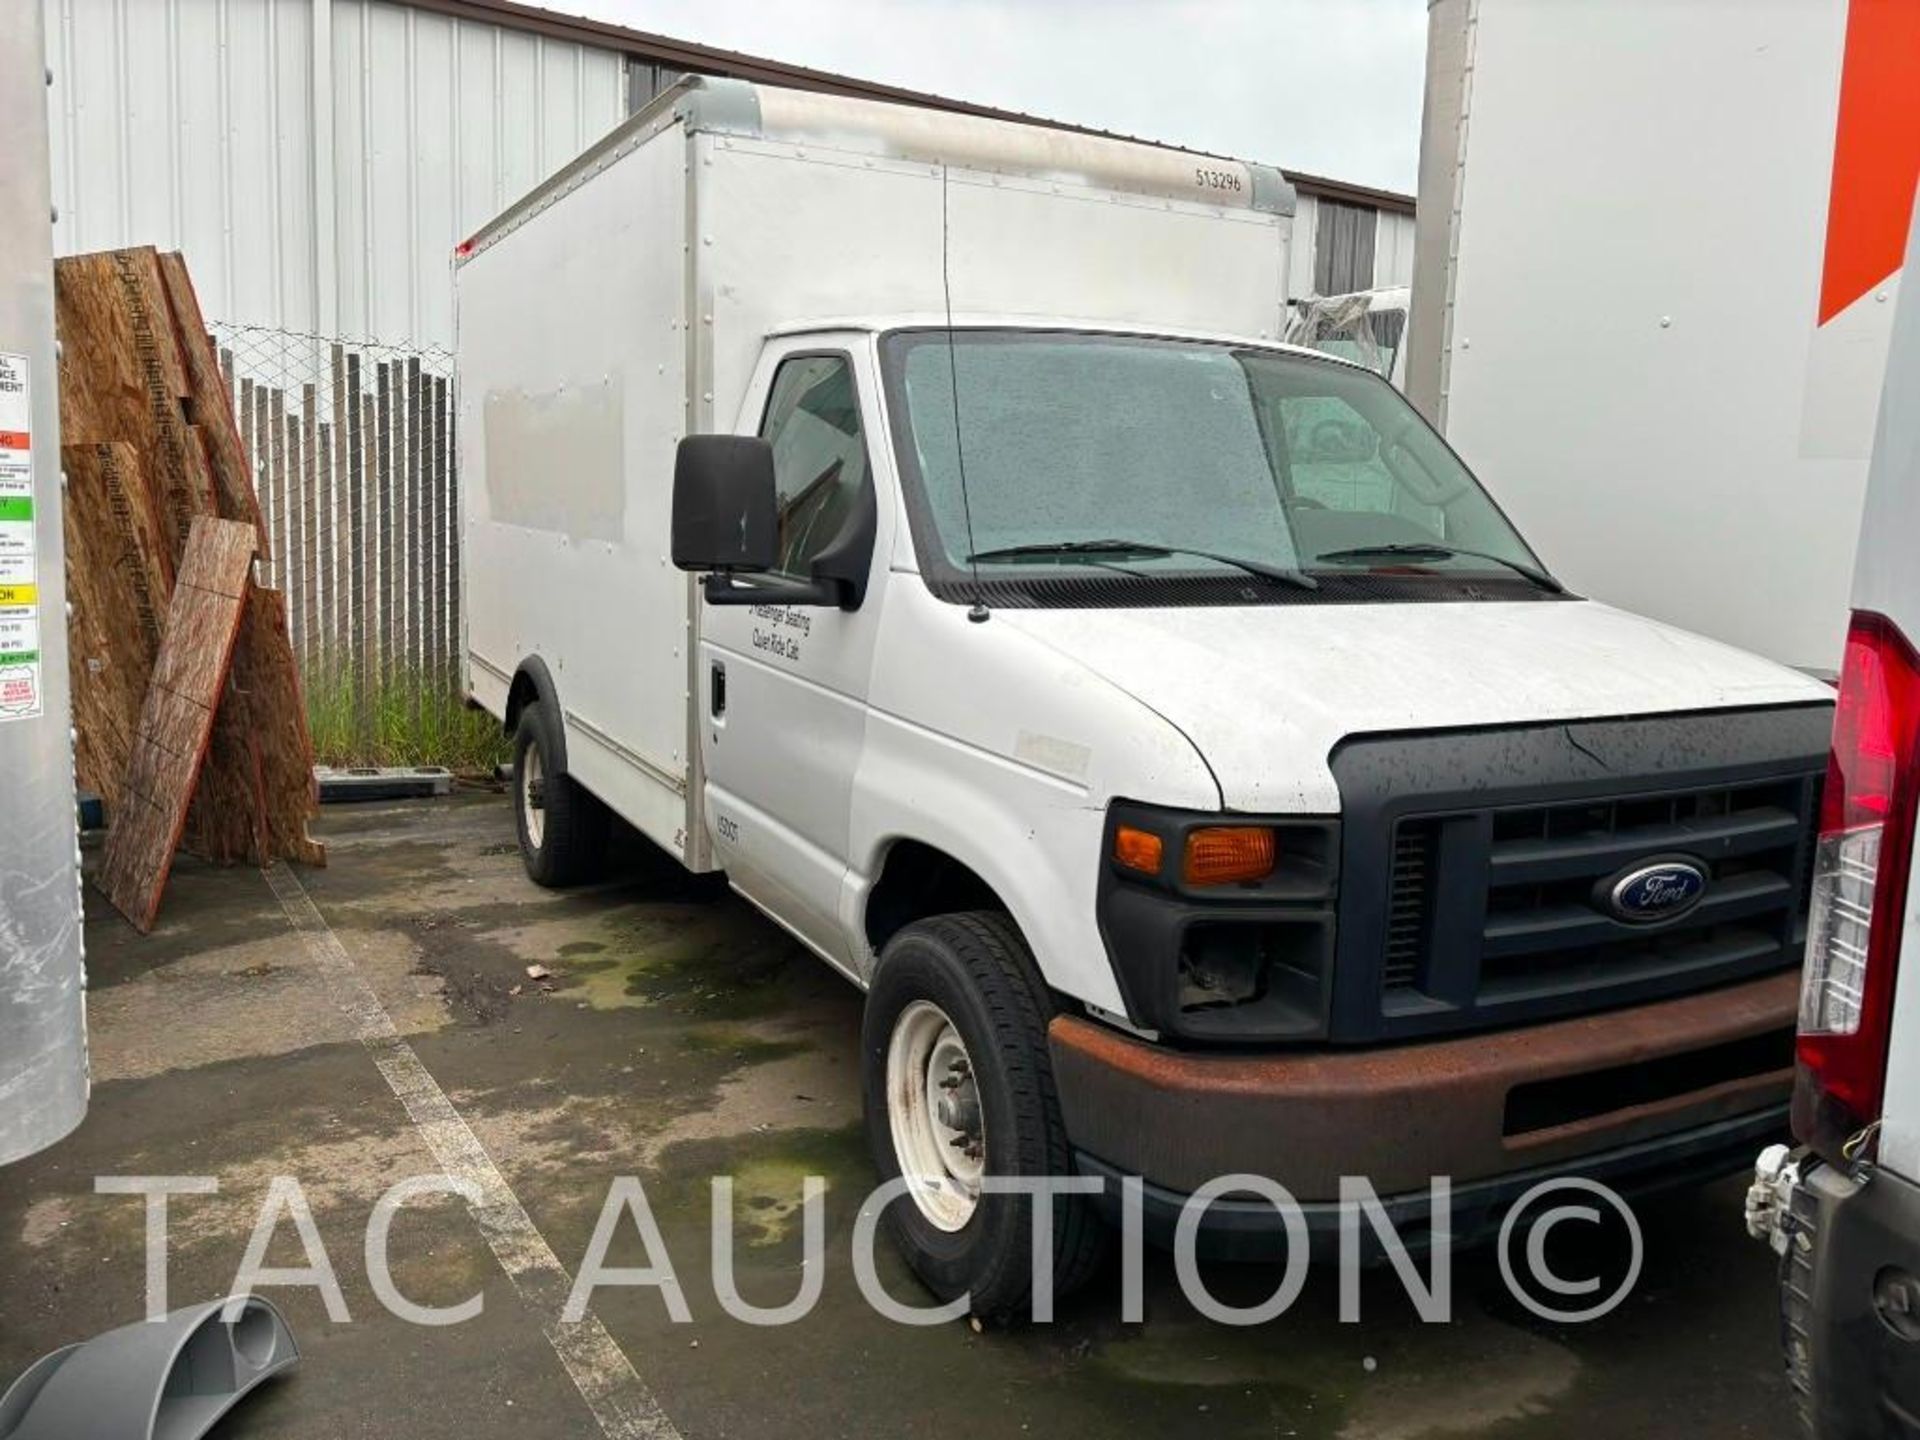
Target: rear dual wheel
{"points": [[959, 1086], [563, 829]]}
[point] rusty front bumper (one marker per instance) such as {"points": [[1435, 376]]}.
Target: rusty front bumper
{"points": [[1644, 1082]]}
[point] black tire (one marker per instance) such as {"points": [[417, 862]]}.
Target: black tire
{"points": [[573, 824], [977, 968]]}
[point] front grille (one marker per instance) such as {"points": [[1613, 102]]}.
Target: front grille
{"points": [[1544, 931], [1545, 925], [1410, 910], [1476, 865]]}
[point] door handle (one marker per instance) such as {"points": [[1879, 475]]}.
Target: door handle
{"points": [[717, 691]]}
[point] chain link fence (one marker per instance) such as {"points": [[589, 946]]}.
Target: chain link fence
{"points": [[353, 454]]}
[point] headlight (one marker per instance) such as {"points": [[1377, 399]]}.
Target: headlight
{"points": [[1221, 932]]}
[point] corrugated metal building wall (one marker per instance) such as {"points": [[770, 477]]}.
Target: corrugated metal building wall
{"points": [[1340, 246], [1393, 248], [316, 160]]}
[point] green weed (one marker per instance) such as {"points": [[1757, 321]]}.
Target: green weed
{"points": [[406, 717]]}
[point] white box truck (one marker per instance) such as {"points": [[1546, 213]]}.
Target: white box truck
{"points": [[1192, 763], [1659, 247]]}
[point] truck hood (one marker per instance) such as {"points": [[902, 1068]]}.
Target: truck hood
{"points": [[1266, 692]]}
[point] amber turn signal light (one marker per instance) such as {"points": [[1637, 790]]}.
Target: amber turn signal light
{"points": [[1228, 854], [1137, 849]]}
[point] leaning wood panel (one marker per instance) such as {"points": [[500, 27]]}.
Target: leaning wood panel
{"points": [[227, 821], [283, 749], [176, 718], [256, 794], [208, 405], [121, 379], [118, 586], [258, 783]]}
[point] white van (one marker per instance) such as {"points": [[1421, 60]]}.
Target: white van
{"points": [[1843, 1210], [1194, 766]]}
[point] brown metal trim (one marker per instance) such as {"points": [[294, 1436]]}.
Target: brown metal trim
{"points": [[1347, 193], [1399, 1114], [664, 50]]}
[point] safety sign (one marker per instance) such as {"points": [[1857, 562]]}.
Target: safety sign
{"points": [[19, 588]]}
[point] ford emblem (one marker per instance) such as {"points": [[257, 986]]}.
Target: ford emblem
{"points": [[1660, 891]]}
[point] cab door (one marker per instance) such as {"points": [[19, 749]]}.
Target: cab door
{"points": [[784, 687]]}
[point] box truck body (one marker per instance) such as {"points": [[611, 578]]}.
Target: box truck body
{"points": [[704, 229], [1193, 764]]}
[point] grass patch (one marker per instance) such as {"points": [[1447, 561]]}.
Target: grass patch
{"points": [[407, 718]]}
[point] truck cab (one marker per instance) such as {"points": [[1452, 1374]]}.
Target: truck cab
{"points": [[1197, 770]]}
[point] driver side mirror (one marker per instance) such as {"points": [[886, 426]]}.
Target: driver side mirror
{"points": [[725, 516], [726, 522]]}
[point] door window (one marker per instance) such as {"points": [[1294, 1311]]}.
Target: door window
{"points": [[819, 455]]}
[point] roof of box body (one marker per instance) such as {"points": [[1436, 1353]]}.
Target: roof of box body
{"points": [[891, 131], [706, 59]]}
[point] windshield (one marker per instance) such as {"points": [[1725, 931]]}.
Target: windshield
{"points": [[1209, 453]]}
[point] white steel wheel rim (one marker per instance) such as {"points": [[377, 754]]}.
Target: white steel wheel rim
{"points": [[533, 796], [933, 1111]]}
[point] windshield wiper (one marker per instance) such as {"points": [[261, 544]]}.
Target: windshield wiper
{"points": [[1146, 550], [1436, 551]]}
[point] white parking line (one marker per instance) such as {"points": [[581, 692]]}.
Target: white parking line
{"points": [[600, 1369]]}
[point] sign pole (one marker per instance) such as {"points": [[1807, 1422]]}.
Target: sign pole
{"points": [[43, 1037]]}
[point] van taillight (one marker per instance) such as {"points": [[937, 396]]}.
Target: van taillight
{"points": [[1859, 888]]}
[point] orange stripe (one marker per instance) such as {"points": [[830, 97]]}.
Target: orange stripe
{"points": [[13, 440], [1876, 151]]}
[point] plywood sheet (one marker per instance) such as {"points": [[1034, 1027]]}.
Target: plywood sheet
{"points": [[176, 718], [207, 409], [122, 378], [118, 585], [256, 801]]}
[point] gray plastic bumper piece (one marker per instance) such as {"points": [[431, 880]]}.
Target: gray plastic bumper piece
{"points": [[167, 1379]]}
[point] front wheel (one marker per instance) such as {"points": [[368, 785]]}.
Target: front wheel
{"points": [[959, 1086]]}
